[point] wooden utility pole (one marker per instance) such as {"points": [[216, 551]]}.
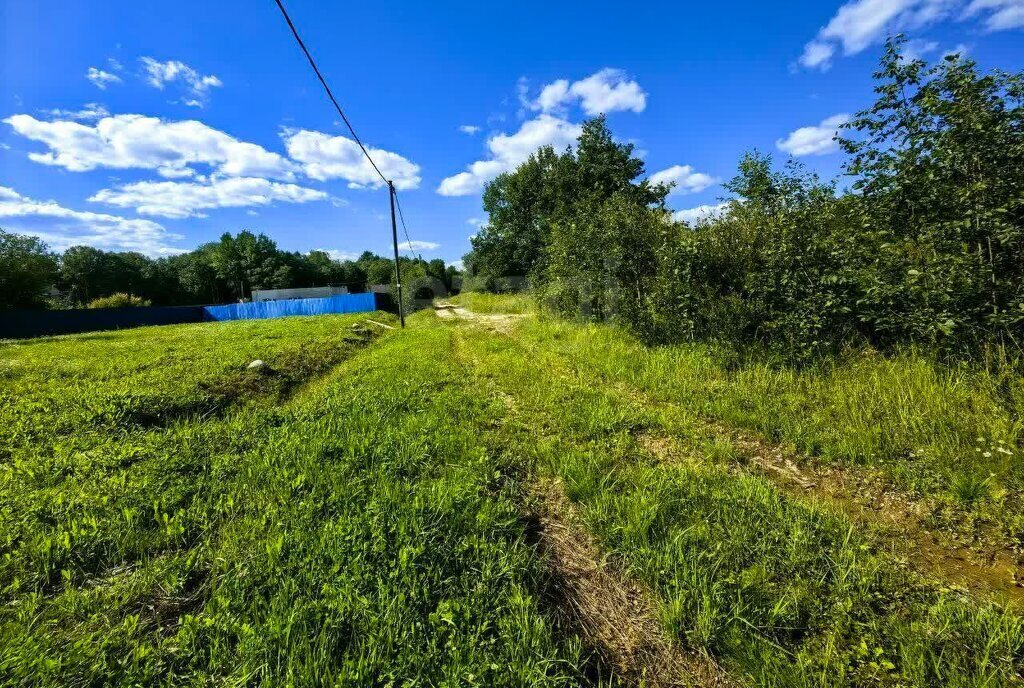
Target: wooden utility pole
{"points": [[394, 239]]}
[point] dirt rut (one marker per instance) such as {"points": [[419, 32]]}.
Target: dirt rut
{"points": [[615, 615], [895, 520]]}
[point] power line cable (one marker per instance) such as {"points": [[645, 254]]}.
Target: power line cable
{"points": [[312, 63], [405, 229]]}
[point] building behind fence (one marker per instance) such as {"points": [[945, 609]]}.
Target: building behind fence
{"points": [[299, 293]]}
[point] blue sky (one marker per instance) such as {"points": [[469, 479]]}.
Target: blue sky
{"points": [[155, 126]]}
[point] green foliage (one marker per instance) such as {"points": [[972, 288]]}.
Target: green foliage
{"points": [[119, 301], [550, 189], [225, 270], [27, 271]]}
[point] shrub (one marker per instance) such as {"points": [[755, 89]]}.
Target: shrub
{"points": [[119, 301]]}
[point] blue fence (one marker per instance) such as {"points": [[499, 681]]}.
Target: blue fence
{"points": [[22, 324], [344, 303]]}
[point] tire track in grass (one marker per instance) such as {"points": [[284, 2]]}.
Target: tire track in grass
{"points": [[895, 521], [925, 634], [615, 613], [592, 592]]}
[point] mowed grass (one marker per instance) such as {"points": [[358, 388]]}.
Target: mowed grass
{"points": [[352, 532]]}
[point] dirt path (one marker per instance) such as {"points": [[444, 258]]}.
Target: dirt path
{"points": [[496, 322], [613, 614]]}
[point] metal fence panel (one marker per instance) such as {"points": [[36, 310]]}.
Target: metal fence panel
{"points": [[345, 303]]}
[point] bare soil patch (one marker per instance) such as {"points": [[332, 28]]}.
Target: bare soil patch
{"points": [[495, 322]]}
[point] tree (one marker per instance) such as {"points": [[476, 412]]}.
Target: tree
{"points": [[249, 261], [27, 270], [550, 188], [84, 272], [939, 161]]}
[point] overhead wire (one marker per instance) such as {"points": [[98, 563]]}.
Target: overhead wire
{"points": [[405, 229], [355, 137], [323, 82]]}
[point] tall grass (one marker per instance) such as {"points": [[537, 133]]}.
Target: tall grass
{"points": [[785, 592], [934, 429], [484, 302]]}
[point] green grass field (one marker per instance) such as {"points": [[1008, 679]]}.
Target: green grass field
{"points": [[362, 510]]}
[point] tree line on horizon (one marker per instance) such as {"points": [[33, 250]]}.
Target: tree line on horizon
{"points": [[923, 244], [223, 271]]}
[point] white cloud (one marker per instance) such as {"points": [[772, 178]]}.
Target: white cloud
{"points": [[553, 96], [189, 199], [509, 150], [861, 23], [136, 141], [62, 227], [685, 178], [814, 140], [701, 213], [1002, 14], [158, 74], [469, 129], [961, 49], [476, 222], [340, 256], [817, 54], [89, 111], [100, 78], [918, 48], [326, 157], [609, 90], [415, 245]]}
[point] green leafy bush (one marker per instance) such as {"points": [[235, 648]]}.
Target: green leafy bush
{"points": [[119, 301]]}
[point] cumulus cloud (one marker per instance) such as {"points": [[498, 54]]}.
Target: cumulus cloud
{"points": [[861, 23], [509, 150], [609, 90], [918, 48], [701, 213], [101, 79], [684, 178], [1002, 14], [189, 199], [469, 129], [62, 227], [326, 157], [173, 149], [814, 140], [159, 74]]}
